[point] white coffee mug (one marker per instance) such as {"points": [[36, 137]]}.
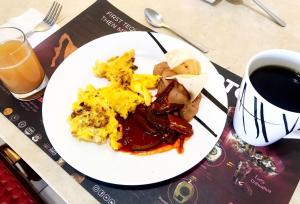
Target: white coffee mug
{"points": [[256, 120]]}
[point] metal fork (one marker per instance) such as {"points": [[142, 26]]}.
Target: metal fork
{"points": [[49, 19]]}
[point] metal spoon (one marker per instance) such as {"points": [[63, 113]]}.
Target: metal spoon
{"points": [[277, 20], [156, 20]]}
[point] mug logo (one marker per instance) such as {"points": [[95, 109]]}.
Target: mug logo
{"points": [[242, 102], [262, 120], [286, 124], [255, 117], [260, 112], [263, 127]]}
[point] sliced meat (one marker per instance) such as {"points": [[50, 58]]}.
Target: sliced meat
{"points": [[180, 125], [159, 68], [178, 94], [190, 109], [163, 83]]}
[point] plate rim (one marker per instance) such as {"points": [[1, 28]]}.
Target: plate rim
{"points": [[83, 47]]}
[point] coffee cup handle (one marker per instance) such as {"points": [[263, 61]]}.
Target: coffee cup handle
{"points": [[293, 135]]}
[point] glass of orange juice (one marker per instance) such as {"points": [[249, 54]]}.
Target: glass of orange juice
{"points": [[20, 70]]}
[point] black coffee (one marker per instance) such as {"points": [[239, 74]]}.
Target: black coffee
{"points": [[278, 85]]}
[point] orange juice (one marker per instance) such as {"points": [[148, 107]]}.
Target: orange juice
{"points": [[20, 70]]}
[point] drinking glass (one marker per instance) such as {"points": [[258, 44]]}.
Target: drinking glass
{"points": [[20, 69]]}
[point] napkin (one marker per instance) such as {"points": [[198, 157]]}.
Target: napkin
{"points": [[27, 21]]}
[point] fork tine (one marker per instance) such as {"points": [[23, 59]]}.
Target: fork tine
{"points": [[52, 13], [49, 11], [49, 19], [56, 15]]}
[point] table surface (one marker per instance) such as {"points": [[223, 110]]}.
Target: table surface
{"points": [[233, 30]]}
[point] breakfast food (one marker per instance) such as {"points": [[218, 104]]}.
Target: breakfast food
{"points": [[181, 62], [93, 116], [120, 72], [157, 127], [92, 119], [117, 70], [124, 111]]}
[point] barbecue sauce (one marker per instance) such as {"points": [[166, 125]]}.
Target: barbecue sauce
{"points": [[156, 128]]}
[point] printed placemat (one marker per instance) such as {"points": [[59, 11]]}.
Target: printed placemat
{"points": [[233, 172]]}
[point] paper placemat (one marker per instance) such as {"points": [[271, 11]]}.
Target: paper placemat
{"points": [[233, 172]]}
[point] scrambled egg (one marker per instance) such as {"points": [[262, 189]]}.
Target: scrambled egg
{"points": [[140, 83], [94, 113], [93, 119], [122, 101], [117, 70]]}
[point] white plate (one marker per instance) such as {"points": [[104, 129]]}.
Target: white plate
{"points": [[100, 161]]}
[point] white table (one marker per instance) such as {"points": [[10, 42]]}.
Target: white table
{"points": [[232, 30]]}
